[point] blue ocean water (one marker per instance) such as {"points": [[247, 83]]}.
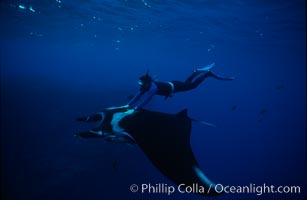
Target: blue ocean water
{"points": [[61, 59]]}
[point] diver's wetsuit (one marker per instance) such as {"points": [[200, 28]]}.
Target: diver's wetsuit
{"points": [[168, 88]]}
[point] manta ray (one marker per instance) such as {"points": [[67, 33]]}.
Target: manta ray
{"points": [[163, 137]]}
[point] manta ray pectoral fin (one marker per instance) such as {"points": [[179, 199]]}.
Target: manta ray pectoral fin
{"points": [[183, 113], [165, 140]]}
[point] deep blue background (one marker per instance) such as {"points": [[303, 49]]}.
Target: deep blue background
{"points": [[71, 58]]}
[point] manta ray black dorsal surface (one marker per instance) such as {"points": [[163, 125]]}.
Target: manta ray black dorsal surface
{"points": [[165, 139]]}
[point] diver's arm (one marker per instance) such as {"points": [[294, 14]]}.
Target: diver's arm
{"points": [[131, 102], [135, 98], [147, 96]]}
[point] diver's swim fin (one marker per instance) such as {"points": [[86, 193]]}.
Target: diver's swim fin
{"points": [[206, 68], [219, 77], [209, 73]]}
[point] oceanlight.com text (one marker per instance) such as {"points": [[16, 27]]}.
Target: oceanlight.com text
{"points": [[162, 188], [258, 189]]}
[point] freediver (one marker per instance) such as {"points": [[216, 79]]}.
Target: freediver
{"points": [[149, 87]]}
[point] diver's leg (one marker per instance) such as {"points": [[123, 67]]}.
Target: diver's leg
{"points": [[219, 77], [92, 118], [199, 71], [198, 81], [197, 77], [201, 78], [208, 73], [192, 76], [191, 82], [180, 86]]}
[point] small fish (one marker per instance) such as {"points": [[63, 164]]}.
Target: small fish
{"points": [[263, 111], [115, 165], [234, 107], [279, 87]]}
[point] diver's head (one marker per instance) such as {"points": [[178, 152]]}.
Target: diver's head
{"points": [[145, 81]]}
